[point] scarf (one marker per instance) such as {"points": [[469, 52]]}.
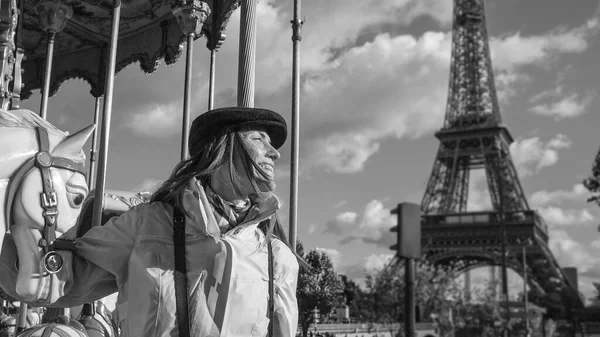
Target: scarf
{"points": [[229, 214]]}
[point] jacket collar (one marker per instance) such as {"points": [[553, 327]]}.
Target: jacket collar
{"points": [[201, 211]]}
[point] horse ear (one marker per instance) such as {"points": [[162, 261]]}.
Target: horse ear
{"points": [[73, 143]]}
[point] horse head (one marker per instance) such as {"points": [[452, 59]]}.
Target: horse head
{"points": [[43, 200]]}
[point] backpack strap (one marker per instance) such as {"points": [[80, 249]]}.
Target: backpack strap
{"points": [[271, 305], [181, 297]]}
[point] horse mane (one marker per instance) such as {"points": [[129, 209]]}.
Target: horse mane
{"points": [[22, 118]]}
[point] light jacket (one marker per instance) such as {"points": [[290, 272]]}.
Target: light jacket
{"points": [[227, 273]]}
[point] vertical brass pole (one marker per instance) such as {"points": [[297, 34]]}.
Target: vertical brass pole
{"points": [[247, 54], [106, 115], [211, 81], [296, 38], [185, 125], [93, 151], [47, 73]]}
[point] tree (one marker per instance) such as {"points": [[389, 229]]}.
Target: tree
{"points": [[434, 287], [320, 287], [597, 286], [354, 298], [592, 183]]}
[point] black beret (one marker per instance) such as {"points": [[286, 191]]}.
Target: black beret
{"points": [[218, 122]]}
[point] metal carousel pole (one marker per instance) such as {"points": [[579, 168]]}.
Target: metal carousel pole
{"points": [[215, 40], [190, 15], [247, 54], [296, 38], [107, 114], [53, 16], [211, 81], [93, 151]]}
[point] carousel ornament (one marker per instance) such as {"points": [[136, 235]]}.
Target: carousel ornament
{"points": [[53, 16], [191, 15]]}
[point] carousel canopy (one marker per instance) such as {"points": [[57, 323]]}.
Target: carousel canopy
{"points": [[148, 31]]}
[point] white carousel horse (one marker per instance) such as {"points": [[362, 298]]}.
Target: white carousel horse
{"points": [[42, 188], [42, 193]]}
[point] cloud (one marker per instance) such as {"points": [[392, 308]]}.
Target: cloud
{"points": [[531, 155], [337, 258], [356, 92], [570, 252], [367, 265], [479, 192], [373, 92], [160, 120], [556, 216], [543, 197], [516, 50], [396, 86], [344, 152], [567, 107], [149, 185], [511, 53], [372, 226]]}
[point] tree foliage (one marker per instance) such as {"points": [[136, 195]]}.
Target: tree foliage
{"points": [[320, 287], [592, 183]]}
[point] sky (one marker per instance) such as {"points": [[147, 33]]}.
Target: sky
{"points": [[374, 82]]}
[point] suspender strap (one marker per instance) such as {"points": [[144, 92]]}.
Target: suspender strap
{"points": [[271, 308], [181, 296]]}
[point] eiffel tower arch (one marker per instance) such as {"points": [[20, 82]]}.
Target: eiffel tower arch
{"points": [[474, 138]]}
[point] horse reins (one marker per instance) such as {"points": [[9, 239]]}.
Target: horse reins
{"points": [[53, 262]]}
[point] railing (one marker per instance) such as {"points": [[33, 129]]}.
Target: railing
{"points": [[486, 217]]}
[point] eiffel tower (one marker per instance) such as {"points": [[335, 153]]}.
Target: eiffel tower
{"points": [[474, 138]]}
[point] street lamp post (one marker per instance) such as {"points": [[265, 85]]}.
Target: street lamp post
{"points": [[316, 317], [525, 243]]}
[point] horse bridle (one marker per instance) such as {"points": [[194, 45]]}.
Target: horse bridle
{"points": [[53, 262]]}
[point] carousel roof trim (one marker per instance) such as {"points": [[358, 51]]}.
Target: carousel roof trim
{"points": [[81, 47]]}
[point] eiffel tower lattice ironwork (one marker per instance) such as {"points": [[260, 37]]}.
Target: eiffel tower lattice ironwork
{"points": [[473, 137]]}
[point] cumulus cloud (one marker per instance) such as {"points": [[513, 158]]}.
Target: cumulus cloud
{"points": [[556, 216], [372, 226], [516, 50], [570, 252], [543, 197], [367, 265], [357, 94], [396, 86], [531, 155], [337, 258], [373, 92], [566, 107], [160, 120]]}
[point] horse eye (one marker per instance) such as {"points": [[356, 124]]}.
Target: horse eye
{"points": [[76, 199]]}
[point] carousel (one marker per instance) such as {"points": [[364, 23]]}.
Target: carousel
{"points": [[44, 43]]}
